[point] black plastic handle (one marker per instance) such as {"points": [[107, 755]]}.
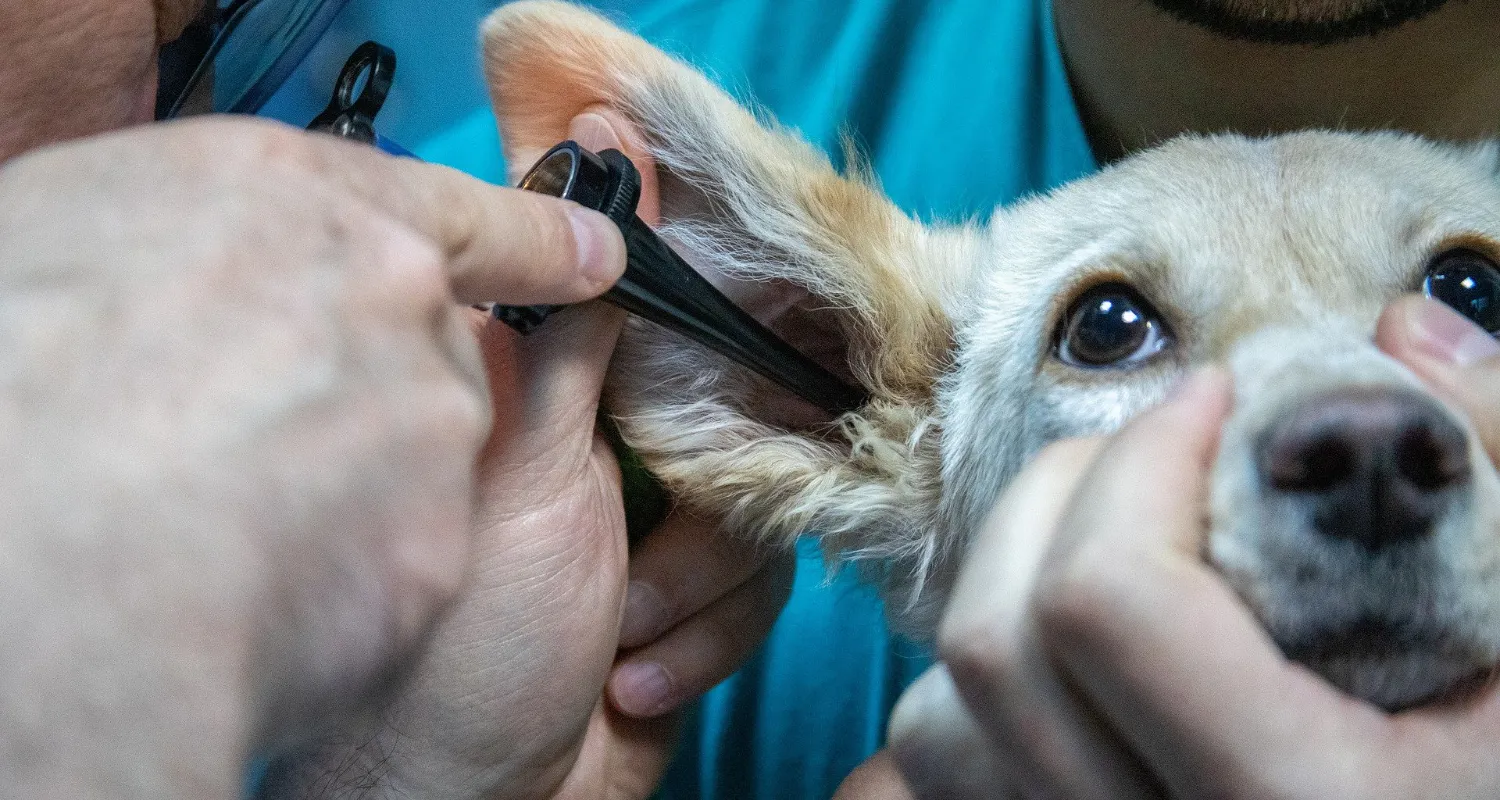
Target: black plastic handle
{"points": [[660, 287]]}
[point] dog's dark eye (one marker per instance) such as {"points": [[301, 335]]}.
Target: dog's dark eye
{"points": [[1111, 326], [1468, 282]]}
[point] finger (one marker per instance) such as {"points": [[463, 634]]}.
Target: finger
{"points": [[876, 779], [1053, 743], [1000, 565], [938, 746], [557, 373], [1456, 357], [173, 17], [499, 243], [502, 244], [551, 380], [677, 571], [1157, 639], [639, 753], [705, 649]]}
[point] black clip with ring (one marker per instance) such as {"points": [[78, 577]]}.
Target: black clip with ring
{"points": [[363, 85]]}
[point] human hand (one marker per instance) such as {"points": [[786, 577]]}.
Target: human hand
{"points": [[1085, 658], [245, 411], [524, 691]]}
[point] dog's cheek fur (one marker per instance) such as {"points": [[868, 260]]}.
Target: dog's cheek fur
{"points": [[747, 202]]}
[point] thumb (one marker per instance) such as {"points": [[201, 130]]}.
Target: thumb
{"points": [[553, 378], [546, 386], [1459, 359]]}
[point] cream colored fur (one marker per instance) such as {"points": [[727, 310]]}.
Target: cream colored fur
{"points": [[746, 201], [1262, 253]]}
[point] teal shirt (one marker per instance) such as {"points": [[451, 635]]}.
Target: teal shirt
{"points": [[961, 105]]}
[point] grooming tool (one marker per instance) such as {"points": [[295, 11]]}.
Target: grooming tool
{"points": [[660, 287], [657, 285]]}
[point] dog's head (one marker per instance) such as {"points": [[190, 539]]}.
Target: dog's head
{"points": [[1352, 509]]}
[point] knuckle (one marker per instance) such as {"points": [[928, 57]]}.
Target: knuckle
{"points": [[1061, 610], [455, 416], [1073, 602], [441, 579], [468, 367], [464, 222], [978, 651], [939, 746], [262, 145], [473, 415], [424, 274], [411, 267], [280, 169]]}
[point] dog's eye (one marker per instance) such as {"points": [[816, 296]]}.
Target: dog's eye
{"points": [[1111, 326], [1468, 282]]}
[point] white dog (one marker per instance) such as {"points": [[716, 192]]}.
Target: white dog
{"points": [[1352, 510]]}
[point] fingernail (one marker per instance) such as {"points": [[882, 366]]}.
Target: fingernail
{"points": [[645, 614], [642, 689], [601, 259], [1448, 336]]}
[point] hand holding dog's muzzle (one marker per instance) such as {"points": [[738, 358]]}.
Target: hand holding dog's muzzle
{"points": [[1094, 652], [1064, 565]]}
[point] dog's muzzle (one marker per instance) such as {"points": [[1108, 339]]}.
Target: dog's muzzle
{"points": [[1346, 513]]}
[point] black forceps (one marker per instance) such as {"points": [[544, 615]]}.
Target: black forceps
{"points": [[657, 285]]}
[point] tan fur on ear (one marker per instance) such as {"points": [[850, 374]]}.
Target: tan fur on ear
{"points": [[747, 201], [545, 62]]}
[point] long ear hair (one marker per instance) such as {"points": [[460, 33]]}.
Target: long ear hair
{"points": [[747, 201]]}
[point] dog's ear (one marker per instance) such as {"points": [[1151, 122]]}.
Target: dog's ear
{"points": [[740, 198], [745, 201]]}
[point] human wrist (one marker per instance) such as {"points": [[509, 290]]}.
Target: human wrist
{"points": [[360, 763]]}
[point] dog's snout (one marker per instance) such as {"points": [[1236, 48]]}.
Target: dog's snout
{"points": [[1373, 465]]}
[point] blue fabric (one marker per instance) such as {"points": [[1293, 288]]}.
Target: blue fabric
{"points": [[961, 104], [438, 81]]}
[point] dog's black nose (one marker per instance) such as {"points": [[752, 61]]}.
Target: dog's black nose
{"points": [[1374, 465]]}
